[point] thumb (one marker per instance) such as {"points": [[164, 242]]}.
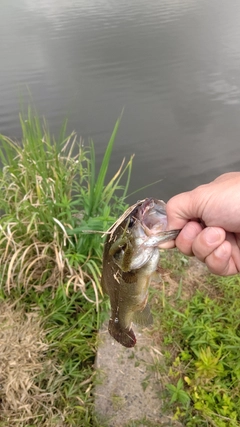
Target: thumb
{"points": [[180, 209]]}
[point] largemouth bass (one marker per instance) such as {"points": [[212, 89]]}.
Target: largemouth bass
{"points": [[130, 258]]}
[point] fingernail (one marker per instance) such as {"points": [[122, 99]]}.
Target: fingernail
{"points": [[212, 235]]}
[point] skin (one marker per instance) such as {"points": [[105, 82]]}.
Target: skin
{"points": [[209, 217]]}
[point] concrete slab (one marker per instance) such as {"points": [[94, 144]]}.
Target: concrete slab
{"points": [[129, 392]]}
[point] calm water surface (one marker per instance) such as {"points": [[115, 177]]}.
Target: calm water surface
{"points": [[174, 65]]}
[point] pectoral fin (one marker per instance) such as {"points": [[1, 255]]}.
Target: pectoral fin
{"points": [[144, 317]]}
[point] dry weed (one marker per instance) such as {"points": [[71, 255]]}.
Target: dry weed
{"points": [[38, 265], [23, 361]]}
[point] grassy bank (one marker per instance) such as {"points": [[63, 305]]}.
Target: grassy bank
{"points": [[54, 206], [197, 318]]}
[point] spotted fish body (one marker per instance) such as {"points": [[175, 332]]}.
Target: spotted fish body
{"points": [[130, 258]]}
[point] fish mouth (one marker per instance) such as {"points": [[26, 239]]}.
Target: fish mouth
{"points": [[151, 221], [152, 216]]}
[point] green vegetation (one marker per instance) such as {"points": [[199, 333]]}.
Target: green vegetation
{"points": [[54, 208], [199, 329]]}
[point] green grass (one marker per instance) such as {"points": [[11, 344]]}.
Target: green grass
{"points": [[51, 200], [200, 334], [55, 206]]}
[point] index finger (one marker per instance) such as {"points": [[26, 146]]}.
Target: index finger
{"points": [[181, 209]]}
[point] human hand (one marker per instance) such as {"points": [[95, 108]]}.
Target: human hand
{"points": [[209, 217]]}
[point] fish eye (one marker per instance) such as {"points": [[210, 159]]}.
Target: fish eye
{"points": [[131, 222]]}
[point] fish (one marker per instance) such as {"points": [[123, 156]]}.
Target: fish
{"points": [[130, 258]]}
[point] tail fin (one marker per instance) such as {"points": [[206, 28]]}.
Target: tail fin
{"points": [[124, 336]]}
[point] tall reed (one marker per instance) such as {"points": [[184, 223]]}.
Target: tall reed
{"points": [[55, 207]]}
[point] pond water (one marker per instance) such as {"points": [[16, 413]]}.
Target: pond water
{"points": [[174, 65]]}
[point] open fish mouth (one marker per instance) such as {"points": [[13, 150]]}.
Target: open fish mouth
{"points": [[150, 214], [150, 220]]}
